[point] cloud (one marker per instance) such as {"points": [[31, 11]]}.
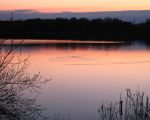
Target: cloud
{"points": [[29, 10]]}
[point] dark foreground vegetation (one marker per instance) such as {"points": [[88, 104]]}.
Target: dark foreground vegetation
{"points": [[15, 83], [135, 106], [83, 29]]}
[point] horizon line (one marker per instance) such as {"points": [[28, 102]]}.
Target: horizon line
{"points": [[40, 11]]}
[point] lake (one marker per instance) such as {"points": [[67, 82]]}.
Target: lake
{"points": [[86, 73]]}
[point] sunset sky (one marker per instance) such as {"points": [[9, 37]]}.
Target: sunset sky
{"points": [[75, 5]]}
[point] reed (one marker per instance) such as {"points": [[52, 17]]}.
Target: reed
{"points": [[58, 117], [135, 106]]}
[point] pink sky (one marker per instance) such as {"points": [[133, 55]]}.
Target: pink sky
{"points": [[75, 5]]}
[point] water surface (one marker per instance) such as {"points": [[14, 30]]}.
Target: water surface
{"points": [[86, 73]]}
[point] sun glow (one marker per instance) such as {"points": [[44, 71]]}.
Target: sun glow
{"points": [[75, 5]]}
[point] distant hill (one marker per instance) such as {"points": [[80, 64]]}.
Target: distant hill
{"points": [[132, 16]]}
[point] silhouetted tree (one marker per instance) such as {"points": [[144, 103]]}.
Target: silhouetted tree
{"points": [[14, 82]]}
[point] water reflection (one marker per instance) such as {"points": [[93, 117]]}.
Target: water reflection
{"points": [[84, 74], [73, 45]]}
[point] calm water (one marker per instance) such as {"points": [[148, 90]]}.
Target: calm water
{"points": [[86, 73]]}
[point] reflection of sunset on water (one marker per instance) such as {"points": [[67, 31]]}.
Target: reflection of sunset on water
{"points": [[82, 77]]}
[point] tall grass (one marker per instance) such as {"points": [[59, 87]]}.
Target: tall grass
{"points": [[59, 117], [135, 106]]}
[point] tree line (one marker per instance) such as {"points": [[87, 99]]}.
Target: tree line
{"points": [[82, 28]]}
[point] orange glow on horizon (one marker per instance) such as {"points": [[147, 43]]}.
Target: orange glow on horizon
{"points": [[75, 5]]}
